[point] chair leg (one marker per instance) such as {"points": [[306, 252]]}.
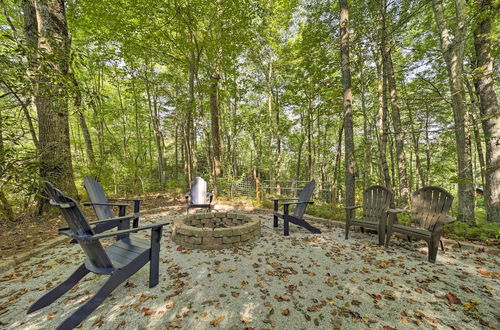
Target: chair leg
{"points": [[59, 290], [275, 218], [442, 245], [286, 227], [154, 263], [433, 246], [388, 237], [381, 237], [286, 223], [115, 280], [347, 231]]}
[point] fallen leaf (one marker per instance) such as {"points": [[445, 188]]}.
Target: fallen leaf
{"points": [[51, 315], [452, 298], [217, 321], [174, 324], [285, 312]]}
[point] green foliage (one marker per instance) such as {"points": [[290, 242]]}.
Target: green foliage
{"points": [[484, 231]]}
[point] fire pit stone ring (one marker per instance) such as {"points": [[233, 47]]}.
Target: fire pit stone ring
{"points": [[219, 230]]}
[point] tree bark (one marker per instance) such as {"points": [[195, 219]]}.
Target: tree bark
{"points": [[490, 116], [477, 135], [382, 124], [453, 50], [348, 124], [48, 41], [83, 123], [215, 119], [395, 113]]}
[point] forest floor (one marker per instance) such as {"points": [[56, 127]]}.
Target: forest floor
{"points": [[298, 282]]}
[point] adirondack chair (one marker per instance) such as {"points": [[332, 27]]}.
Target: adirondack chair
{"points": [[376, 202], [200, 198], [297, 217], [120, 260], [429, 213], [101, 204]]}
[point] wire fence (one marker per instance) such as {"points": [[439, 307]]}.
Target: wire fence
{"points": [[281, 188]]}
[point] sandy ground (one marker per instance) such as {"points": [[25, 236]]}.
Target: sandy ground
{"points": [[302, 281]]}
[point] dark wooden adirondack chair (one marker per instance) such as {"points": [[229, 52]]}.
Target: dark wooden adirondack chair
{"points": [[297, 217], [200, 198], [101, 204], [120, 260], [376, 202], [429, 213]]}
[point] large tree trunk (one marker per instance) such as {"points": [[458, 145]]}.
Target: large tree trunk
{"points": [[47, 37], [348, 125], [489, 110], [453, 50]]}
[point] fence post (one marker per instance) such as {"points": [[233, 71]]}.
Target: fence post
{"points": [[257, 189]]}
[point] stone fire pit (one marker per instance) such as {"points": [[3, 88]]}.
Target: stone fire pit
{"points": [[215, 230]]}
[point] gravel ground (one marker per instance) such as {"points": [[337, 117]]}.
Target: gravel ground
{"points": [[302, 281]]}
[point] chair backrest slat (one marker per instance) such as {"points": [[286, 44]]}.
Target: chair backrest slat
{"points": [[429, 205], [198, 191], [305, 196], [97, 195], [77, 223], [376, 200]]}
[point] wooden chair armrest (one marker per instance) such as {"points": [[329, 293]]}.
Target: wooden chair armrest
{"points": [[117, 219], [283, 199], [446, 220], [105, 204], [296, 203], [125, 199], [352, 207], [397, 211], [125, 231]]}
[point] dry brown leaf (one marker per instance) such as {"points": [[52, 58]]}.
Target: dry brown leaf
{"points": [[217, 321]]}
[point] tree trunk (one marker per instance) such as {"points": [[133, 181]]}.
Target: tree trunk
{"points": [[348, 124], [490, 116], [5, 207], [215, 119], [47, 37], [477, 134], [396, 119], [83, 123], [382, 123], [453, 50]]}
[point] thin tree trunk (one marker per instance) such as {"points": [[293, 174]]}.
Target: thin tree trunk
{"points": [[490, 116], [382, 123], [475, 128], [396, 119], [348, 124], [6, 208], [215, 120], [83, 123]]}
